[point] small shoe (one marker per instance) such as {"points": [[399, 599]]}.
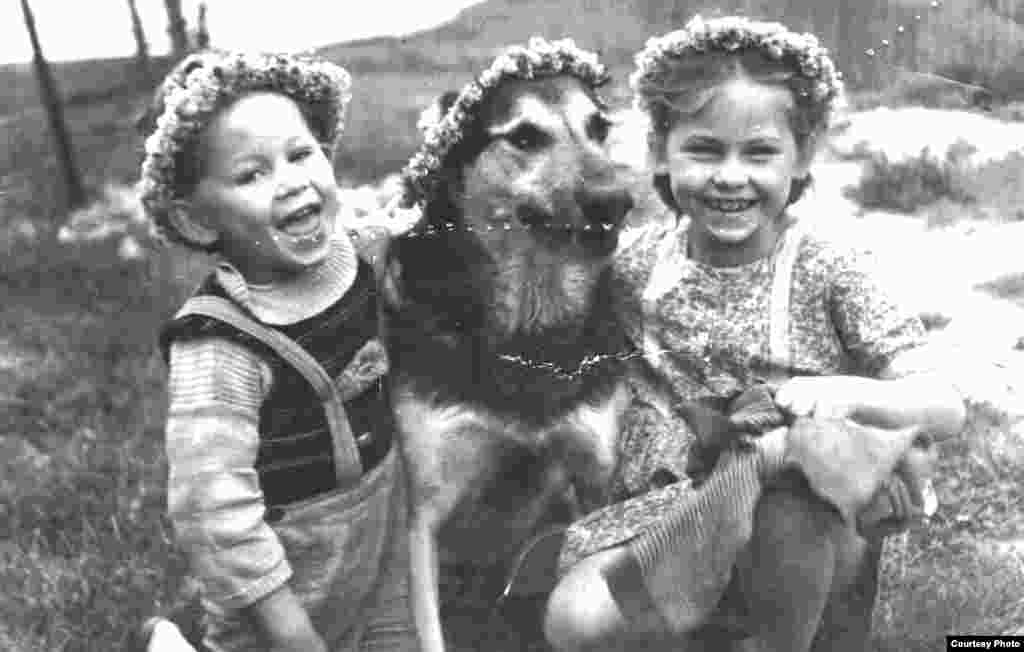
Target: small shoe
{"points": [[161, 635]]}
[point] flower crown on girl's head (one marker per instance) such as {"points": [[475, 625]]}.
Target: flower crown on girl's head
{"points": [[539, 58], [821, 85], [203, 83]]}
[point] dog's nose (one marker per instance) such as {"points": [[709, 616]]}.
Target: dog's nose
{"points": [[607, 207]]}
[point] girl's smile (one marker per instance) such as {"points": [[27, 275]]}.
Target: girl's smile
{"points": [[727, 205], [731, 166]]}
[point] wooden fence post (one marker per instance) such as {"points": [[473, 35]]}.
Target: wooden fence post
{"points": [[74, 190]]}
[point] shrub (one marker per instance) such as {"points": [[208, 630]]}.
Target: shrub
{"points": [[908, 185], [1011, 112], [998, 186]]}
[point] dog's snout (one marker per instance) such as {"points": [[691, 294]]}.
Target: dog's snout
{"points": [[606, 207], [532, 216]]}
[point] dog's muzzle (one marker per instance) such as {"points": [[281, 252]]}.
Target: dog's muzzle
{"points": [[606, 209], [590, 220], [603, 214]]}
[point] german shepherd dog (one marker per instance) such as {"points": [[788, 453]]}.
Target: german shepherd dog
{"points": [[508, 381]]}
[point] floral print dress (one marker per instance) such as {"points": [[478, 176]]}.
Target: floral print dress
{"points": [[704, 335]]}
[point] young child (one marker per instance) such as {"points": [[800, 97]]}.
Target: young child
{"points": [[728, 293], [284, 488]]}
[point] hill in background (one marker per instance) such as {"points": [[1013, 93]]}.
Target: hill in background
{"points": [[976, 41]]}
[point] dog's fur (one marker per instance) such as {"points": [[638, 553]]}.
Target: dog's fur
{"points": [[495, 306]]}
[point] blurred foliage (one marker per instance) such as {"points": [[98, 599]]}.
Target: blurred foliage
{"points": [[907, 185]]}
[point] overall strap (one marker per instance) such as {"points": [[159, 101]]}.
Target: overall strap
{"points": [[348, 467], [779, 352]]}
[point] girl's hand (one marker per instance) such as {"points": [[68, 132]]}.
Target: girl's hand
{"points": [[828, 397], [845, 462]]}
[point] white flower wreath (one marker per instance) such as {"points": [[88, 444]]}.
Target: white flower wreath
{"points": [[823, 84], [203, 82], [539, 58]]}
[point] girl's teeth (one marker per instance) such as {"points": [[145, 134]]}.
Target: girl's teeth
{"points": [[730, 205]]}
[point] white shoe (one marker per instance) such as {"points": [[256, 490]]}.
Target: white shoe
{"points": [[161, 635]]}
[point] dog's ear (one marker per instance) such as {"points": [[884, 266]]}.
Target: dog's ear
{"points": [[446, 100], [434, 113]]}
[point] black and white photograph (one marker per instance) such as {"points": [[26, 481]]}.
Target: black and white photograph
{"points": [[511, 325]]}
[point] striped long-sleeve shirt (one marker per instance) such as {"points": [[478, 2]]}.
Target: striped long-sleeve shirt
{"points": [[217, 388]]}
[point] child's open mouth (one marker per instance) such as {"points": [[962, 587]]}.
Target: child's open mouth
{"points": [[728, 205], [303, 222]]}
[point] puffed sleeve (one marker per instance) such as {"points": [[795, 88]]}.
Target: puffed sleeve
{"points": [[872, 325], [214, 499]]}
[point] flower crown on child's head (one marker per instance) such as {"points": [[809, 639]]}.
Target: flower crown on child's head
{"points": [[203, 83], [539, 58], [822, 83]]}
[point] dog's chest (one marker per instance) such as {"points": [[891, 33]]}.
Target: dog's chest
{"points": [[494, 479]]}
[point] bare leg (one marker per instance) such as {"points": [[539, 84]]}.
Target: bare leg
{"points": [[583, 615], [785, 577], [791, 567], [846, 623], [424, 598]]}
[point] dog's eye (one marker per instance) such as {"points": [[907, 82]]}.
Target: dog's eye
{"points": [[598, 127], [526, 137]]}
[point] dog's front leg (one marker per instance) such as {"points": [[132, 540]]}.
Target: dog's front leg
{"points": [[441, 449], [424, 580]]}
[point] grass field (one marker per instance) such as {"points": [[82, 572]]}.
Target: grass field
{"points": [[85, 552]]}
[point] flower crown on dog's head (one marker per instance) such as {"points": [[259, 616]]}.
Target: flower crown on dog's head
{"points": [[539, 58], [203, 83], [818, 82]]}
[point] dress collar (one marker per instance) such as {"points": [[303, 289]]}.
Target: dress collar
{"points": [[683, 252]]}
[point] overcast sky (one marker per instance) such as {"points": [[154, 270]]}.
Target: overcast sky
{"points": [[83, 29]]}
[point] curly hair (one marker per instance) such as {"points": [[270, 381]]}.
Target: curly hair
{"points": [[198, 89]]}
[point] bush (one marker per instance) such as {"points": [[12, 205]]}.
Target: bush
{"points": [[908, 185], [1008, 81], [1011, 112], [998, 186], [947, 190]]}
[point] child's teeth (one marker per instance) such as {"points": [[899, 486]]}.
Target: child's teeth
{"points": [[730, 204], [302, 223]]}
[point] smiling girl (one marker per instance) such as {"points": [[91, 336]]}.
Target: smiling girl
{"points": [[729, 292], [284, 488]]}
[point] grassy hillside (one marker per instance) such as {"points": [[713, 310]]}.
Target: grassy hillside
{"points": [[80, 82], [979, 41]]}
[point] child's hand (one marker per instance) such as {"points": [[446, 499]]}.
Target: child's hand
{"points": [[845, 462], [827, 397], [287, 624], [907, 495]]}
